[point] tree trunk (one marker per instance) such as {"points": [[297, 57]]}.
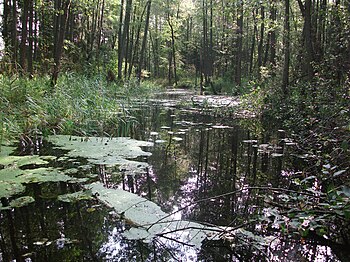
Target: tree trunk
{"points": [[120, 41], [308, 40], [144, 41], [135, 52], [5, 23], [261, 39], [252, 49], [24, 37], [273, 17], [14, 41], [238, 73], [173, 51], [65, 6], [31, 38], [286, 51], [122, 44]]}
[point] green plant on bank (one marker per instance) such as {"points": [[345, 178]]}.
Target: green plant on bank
{"points": [[317, 118], [77, 105]]}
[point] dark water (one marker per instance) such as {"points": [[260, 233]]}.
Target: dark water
{"points": [[199, 153]]}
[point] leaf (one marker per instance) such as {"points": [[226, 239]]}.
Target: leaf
{"points": [[10, 188], [103, 150], [150, 220], [22, 201], [77, 196]]}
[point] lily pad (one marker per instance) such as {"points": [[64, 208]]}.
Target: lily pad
{"points": [[22, 201], [13, 179], [149, 220], [77, 196], [24, 160], [102, 151], [10, 188]]}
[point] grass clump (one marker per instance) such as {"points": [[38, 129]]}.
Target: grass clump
{"points": [[76, 105]]}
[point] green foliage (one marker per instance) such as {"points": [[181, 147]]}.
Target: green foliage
{"points": [[316, 114], [76, 196], [77, 105]]}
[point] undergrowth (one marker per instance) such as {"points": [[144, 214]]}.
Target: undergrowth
{"points": [[76, 105]]}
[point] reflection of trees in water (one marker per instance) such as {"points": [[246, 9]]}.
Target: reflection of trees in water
{"points": [[49, 230]]}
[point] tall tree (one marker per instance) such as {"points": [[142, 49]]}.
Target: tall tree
{"points": [[307, 38], [124, 38], [286, 46], [238, 68], [144, 41], [62, 15]]}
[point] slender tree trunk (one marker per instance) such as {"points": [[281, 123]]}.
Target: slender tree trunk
{"points": [[261, 39], [308, 40], [273, 17], [14, 41], [100, 26], [238, 74], [124, 37], [173, 51], [144, 41], [31, 38], [65, 6], [252, 49], [24, 37], [286, 51], [120, 39], [135, 52], [5, 23]]}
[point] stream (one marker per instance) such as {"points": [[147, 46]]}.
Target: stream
{"points": [[201, 164]]}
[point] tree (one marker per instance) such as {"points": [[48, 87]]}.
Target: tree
{"points": [[239, 31], [144, 41], [62, 9], [286, 47]]}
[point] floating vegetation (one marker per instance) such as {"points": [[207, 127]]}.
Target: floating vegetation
{"points": [[77, 196], [22, 201], [102, 150], [149, 220], [13, 179]]}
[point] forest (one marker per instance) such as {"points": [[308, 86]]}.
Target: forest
{"points": [[228, 119]]}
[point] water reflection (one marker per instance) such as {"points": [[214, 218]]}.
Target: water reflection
{"points": [[203, 168]]}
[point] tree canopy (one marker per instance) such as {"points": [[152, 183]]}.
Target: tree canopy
{"points": [[237, 41]]}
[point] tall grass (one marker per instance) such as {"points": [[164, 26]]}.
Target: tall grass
{"points": [[77, 105]]}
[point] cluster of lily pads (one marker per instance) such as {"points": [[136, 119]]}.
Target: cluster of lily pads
{"points": [[146, 217]]}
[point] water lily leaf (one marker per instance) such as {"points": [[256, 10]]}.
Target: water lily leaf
{"points": [[13, 179], [102, 151], [10, 188], [150, 220], [23, 160], [42, 175], [22, 201], [77, 196], [4, 208]]}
